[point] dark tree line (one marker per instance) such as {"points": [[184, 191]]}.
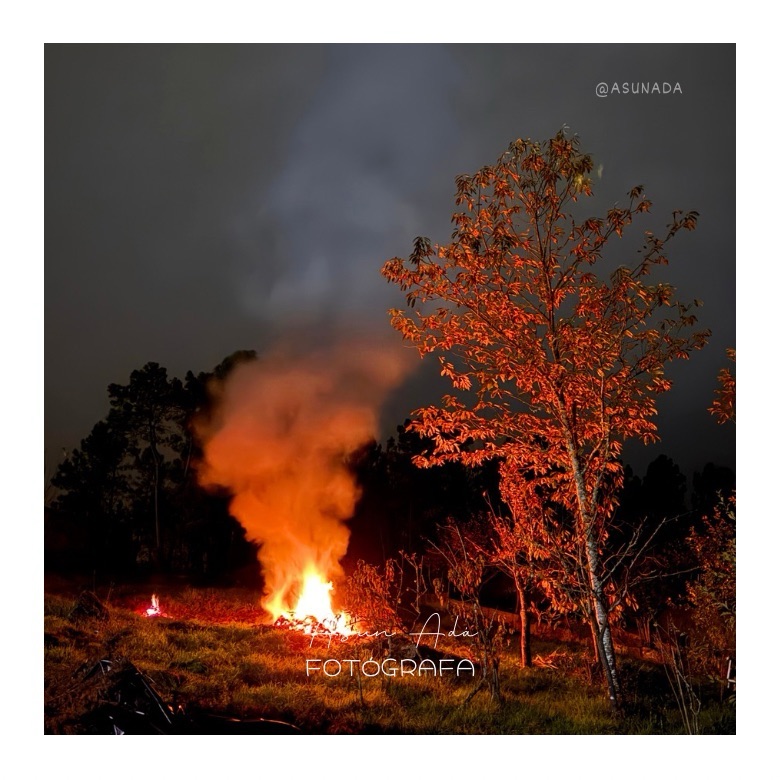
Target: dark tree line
{"points": [[402, 506], [128, 499]]}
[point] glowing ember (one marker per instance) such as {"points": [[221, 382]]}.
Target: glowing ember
{"points": [[154, 610], [314, 610]]}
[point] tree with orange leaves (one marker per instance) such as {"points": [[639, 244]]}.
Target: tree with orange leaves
{"points": [[553, 368], [724, 407]]}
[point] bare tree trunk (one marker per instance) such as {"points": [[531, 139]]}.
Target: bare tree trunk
{"points": [[600, 614], [156, 458], [600, 622], [158, 544], [525, 629]]}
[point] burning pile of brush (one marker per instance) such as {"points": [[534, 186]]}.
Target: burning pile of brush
{"points": [[310, 624], [313, 612]]}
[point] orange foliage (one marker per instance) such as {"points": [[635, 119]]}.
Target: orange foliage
{"points": [[724, 407], [553, 367]]}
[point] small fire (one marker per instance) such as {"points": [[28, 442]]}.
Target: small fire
{"points": [[314, 610], [154, 610]]}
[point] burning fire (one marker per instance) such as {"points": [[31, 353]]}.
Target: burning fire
{"points": [[279, 438], [314, 609], [154, 610]]}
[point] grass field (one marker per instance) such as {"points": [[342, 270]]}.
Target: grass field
{"points": [[214, 654]]}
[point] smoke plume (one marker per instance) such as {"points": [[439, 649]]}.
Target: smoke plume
{"points": [[279, 438]]}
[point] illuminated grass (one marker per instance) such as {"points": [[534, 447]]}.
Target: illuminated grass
{"points": [[246, 670]]}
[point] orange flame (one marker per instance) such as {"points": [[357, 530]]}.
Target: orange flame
{"points": [[313, 608]]}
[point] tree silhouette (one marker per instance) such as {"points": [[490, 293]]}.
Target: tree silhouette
{"points": [[709, 486], [93, 495], [150, 409], [402, 506], [135, 466], [552, 367], [663, 500]]}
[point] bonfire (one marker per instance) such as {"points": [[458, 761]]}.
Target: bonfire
{"points": [[313, 612]]}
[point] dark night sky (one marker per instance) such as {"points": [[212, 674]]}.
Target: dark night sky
{"points": [[203, 199]]}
